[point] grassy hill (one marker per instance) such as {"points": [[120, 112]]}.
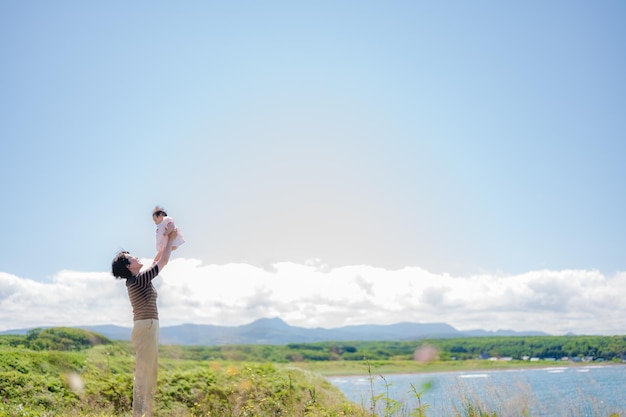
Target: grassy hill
{"points": [[69, 372]]}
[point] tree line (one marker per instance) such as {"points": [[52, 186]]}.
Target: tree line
{"points": [[610, 348], [543, 347]]}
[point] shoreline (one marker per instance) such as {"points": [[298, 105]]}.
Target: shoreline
{"points": [[367, 369]]}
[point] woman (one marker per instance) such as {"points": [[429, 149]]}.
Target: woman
{"points": [[145, 334]]}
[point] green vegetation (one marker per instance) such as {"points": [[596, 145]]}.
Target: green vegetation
{"points": [[59, 338], [71, 372], [610, 348], [70, 379]]}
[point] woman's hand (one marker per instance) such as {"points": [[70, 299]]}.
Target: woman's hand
{"points": [[169, 227]]}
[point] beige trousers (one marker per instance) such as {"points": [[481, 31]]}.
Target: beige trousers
{"points": [[145, 339]]}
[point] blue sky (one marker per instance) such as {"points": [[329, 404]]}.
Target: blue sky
{"points": [[461, 139]]}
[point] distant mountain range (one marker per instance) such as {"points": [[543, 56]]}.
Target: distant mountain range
{"points": [[275, 331]]}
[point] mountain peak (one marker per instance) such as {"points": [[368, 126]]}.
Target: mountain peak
{"points": [[273, 323]]}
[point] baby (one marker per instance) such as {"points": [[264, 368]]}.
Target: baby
{"points": [[162, 220]]}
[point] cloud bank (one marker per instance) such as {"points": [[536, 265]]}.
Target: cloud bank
{"points": [[314, 295]]}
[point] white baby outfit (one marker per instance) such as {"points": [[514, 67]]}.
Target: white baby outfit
{"points": [[161, 237]]}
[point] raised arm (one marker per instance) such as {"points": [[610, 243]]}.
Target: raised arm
{"points": [[165, 254]]}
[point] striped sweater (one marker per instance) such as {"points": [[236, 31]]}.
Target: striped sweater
{"points": [[143, 295]]}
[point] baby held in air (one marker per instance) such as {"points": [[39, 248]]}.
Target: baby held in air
{"points": [[161, 219]]}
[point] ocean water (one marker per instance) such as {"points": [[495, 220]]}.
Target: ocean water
{"points": [[589, 391]]}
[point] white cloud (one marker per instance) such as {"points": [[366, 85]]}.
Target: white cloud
{"points": [[312, 295]]}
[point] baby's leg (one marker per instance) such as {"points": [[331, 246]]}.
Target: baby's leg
{"points": [[174, 247]]}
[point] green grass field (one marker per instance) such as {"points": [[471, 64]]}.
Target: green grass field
{"points": [[98, 382]]}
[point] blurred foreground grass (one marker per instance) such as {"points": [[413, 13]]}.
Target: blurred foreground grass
{"points": [[98, 382]]}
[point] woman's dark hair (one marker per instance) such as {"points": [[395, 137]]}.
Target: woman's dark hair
{"points": [[119, 266]]}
